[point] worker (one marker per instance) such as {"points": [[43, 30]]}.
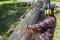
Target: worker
{"points": [[46, 27]]}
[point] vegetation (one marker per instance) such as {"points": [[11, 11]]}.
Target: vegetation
{"points": [[3, 0], [56, 0], [57, 29], [10, 17]]}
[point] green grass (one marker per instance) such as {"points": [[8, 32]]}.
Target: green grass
{"points": [[57, 29], [55, 0]]}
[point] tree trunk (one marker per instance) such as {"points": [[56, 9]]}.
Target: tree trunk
{"points": [[21, 31]]}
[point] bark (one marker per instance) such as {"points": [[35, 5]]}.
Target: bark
{"points": [[21, 31]]}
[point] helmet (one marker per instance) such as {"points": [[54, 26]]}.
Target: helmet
{"points": [[50, 10]]}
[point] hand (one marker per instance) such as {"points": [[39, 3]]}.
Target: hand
{"points": [[31, 29]]}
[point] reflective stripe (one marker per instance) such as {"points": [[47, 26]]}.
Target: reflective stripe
{"points": [[47, 12]]}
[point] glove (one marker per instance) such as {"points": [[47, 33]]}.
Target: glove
{"points": [[31, 29]]}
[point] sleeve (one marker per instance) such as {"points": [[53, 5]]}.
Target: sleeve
{"points": [[49, 22]]}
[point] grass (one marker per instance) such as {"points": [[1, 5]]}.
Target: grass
{"points": [[57, 30], [55, 0]]}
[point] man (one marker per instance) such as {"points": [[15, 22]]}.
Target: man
{"points": [[47, 26]]}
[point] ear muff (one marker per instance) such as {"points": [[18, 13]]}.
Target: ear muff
{"points": [[48, 12]]}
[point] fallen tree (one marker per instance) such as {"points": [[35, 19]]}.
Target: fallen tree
{"points": [[21, 31]]}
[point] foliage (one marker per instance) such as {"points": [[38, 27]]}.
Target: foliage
{"points": [[10, 17]]}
